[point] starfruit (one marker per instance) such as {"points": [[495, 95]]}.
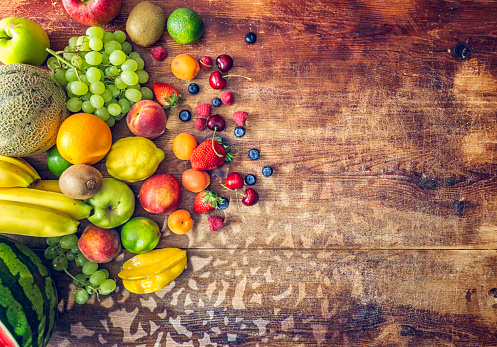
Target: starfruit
{"points": [[151, 271]]}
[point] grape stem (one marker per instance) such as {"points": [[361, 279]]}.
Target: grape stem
{"points": [[84, 284], [62, 52], [52, 52]]}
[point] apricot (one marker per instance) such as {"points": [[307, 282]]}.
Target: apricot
{"points": [[183, 146], [194, 180], [180, 222]]}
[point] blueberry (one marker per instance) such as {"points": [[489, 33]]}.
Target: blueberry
{"points": [[224, 205], [267, 171], [193, 88], [216, 102], [254, 154], [239, 131], [250, 38], [250, 180], [185, 115]]}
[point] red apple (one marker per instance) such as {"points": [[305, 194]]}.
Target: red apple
{"points": [[92, 12], [160, 193], [147, 118], [99, 245]]}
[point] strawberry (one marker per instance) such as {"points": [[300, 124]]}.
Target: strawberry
{"points": [[227, 98], [200, 123], [206, 201], [203, 110], [210, 154], [240, 117], [215, 223], [166, 95]]}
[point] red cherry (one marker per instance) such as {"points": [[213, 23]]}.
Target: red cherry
{"points": [[234, 181], [216, 122], [250, 197], [224, 62], [216, 80], [205, 62]]}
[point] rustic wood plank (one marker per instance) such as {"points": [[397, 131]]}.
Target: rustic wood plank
{"points": [[376, 228], [299, 298]]}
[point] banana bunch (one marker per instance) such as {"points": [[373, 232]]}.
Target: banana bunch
{"points": [[41, 211], [16, 172], [32, 220]]}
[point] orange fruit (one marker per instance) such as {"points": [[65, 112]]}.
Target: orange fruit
{"points": [[185, 67], [195, 181], [180, 222], [183, 146], [84, 139]]}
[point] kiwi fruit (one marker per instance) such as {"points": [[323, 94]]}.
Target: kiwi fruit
{"points": [[146, 23], [81, 181]]}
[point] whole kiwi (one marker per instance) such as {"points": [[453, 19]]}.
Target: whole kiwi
{"points": [[81, 181], [146, 23]]}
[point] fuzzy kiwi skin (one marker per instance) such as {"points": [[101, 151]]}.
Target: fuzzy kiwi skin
{"points": [[146, 23], [81, 181]]}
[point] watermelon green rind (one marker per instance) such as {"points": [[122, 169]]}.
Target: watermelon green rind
{"points": [[33, 295]]}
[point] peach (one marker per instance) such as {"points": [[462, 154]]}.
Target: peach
{"points": [[160, 193], [180, 222], [147, 118], [99, 245]]}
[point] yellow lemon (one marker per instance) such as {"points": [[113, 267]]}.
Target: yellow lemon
{"points": [[133, 159]]}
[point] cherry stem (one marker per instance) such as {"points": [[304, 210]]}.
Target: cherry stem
{"points": [[214, 135], [237, 76], [239, 208], [204, 64]]}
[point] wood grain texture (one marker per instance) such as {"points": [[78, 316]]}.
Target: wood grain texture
{"points": [[377, 227]]}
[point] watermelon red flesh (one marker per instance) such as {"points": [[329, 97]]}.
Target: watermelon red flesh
{"points": [[6, 338], [28, 299]]}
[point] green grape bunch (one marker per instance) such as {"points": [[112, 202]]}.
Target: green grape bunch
{"points": [[101, 74], [91, 280]]}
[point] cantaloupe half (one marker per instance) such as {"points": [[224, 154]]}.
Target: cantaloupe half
{"points": [[32, 108]]}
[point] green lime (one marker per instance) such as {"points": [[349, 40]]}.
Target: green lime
{"points": [[185, 26], [56, 163], [140, 235]]}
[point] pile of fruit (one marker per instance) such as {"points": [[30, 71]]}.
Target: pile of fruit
{"points": [[96, 81]]}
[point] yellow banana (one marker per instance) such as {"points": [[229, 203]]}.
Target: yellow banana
{"points": [[31, 220], [13, 176], [22, 164], [76, 209], [48, 185]]}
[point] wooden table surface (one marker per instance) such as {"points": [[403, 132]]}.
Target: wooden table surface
{"points": [[378, 226]]}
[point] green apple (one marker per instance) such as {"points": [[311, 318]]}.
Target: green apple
{"points": [[113, 205], [22, 41]]}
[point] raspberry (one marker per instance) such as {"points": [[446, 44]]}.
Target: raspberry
{"points": [[159, 53], [227, 98], [240, 117], [203, 110], [215, 223], [200, 123]]}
